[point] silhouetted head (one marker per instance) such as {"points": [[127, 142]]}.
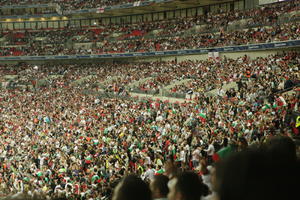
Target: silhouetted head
{"points": [[186, 186], [254, 174], [132, 188], [159, 186], [281, 148]]}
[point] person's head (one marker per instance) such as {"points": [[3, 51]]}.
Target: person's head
{"points": [[171, 169], [186, 186], [159, 186], [132, 188], [242, 142], [282, 148], [253, 174]]}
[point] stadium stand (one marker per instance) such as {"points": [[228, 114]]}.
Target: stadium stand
{"points": [[218, 125], [259, 28], [67, 4]]}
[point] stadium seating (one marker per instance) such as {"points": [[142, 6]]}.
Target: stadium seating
{"points": [[155, 128], [67, 4], [185, 35]]}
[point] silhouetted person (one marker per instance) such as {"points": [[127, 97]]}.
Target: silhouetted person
{"points": [[281, 148], [132, 188], [186, 186], [159, 187], [255, 174]]}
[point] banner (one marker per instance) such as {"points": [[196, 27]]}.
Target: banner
{"points": [[262, 2], [137, 3], [100, 10]]}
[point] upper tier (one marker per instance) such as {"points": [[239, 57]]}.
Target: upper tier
{"points": [[274, 23], [22, 8], [271, 24], [68, 4], [108, 8]]}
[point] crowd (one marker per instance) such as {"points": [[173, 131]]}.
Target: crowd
{"points": [[59, 141], [171, 34], [212, 74], [54, 42], [188, 76], [27, 11], [68, 4], [284, 32], [45, 37], [63, 137], [268, 13]]}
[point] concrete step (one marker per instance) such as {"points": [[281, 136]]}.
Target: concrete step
{"points": [[136, 84]]}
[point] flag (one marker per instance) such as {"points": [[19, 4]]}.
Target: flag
{"points": [[265, 107], [62, 170], [88, 160], [137, 3], [26, 179], [100, 10], [161, 171], [39, 174], [95, 177], [202, 117], [224, 152], [281, 101]]}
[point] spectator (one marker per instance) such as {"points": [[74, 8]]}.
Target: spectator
{"points": [[159, 187], [186, 186], [250, 175], [281, 148], [132, 188]]}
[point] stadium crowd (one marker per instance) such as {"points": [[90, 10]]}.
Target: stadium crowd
{"points": [[172, 34], [55, 41], [275, 69], [223, 18], [74, 131], [59, 141], [68, 4]]}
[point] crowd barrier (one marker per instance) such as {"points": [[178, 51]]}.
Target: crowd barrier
{"points": [[251, 47]]}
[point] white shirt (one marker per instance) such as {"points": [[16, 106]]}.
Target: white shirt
{"points": [[182, 156], [211, 150], [149, 174], [196, 153]]}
